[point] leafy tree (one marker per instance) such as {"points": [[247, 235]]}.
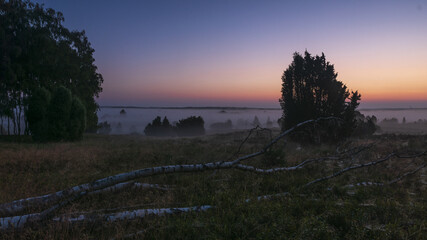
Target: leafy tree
{"points": [[104, 128], [365, 126], [152, 128], [62, 117], [192, 126], [167, 129], [37, 114], [36, 50], [77, 122], [310, 90], [59, 114], [159, 128], [269, 123], [219, 126], [256, 122]]}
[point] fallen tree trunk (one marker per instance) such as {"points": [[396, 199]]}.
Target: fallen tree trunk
{"points": [[15, 207], [129, 215]]}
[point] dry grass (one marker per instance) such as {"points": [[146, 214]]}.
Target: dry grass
{"points": [[390, 212]]}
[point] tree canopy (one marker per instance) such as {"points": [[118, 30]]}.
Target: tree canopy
{"points": [[37, 51], [310, 90]]}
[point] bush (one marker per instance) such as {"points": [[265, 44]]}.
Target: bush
{"points": [[159, 128], [222, 125], [192, 126], [61, 117], [37, 114], [365, 126], [104, 128], [77, 121], [59, 114]]}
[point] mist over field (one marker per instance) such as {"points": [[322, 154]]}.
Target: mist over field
{"points": [[135, 119]]}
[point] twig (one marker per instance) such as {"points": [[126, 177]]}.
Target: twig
{"points": [[17, 206], [391, 155], [407, 174], [129, 215]]}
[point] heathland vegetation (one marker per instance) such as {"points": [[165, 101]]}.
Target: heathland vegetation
{"points": [[323, 175], [37, 51]]}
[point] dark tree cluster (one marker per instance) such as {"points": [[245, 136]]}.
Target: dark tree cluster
{"points": [[37, 51], [159, 128], [191, 126], [60, 116], [104, 128], [310, 90], [219, 126], [365, 126]]}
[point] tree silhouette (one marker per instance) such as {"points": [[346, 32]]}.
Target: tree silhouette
{"points": [[37, 114], [256, 122], [191, 126], [159, 128], [60, 117], [36, 50], [310, 90]]}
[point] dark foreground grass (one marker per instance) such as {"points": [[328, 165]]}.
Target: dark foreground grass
{"points": [[323, 211]]}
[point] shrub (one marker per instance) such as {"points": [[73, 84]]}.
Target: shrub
{"points": [[37, 114], [59, 114], [104, 128], [77, 121], [159, 128], [192, 126], [61, 117], [222, 125]]}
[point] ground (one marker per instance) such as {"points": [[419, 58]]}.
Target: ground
{"points": [[328, 210]]}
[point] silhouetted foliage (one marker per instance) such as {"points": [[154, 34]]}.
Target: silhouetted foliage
{"points": [[227, 125], [77, 122], [37, 114], [269, 123], [59, 114], [159, 128], [256, 122], [36, 50], [390, 120], [104, 128], [192, 126], [365, 126], [310, 90], [119, 127], [62, 117]]}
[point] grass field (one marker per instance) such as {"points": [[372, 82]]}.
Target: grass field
{"points": [[328, 210]]}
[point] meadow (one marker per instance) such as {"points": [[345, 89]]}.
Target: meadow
{"points": [[336, 208]]}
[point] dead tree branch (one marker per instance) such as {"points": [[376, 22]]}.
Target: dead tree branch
{"points": [[129, 215], [17, 206], [388, 157]]}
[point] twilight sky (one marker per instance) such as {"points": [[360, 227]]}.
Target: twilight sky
{"points": [[233, 53]]}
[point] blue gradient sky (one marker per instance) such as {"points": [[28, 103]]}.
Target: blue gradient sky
{"points": [[233, 53]]}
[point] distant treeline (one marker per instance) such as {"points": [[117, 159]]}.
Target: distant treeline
{"points": [[191, 126]]}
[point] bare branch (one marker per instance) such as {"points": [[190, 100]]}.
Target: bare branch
{"points": [[17, 206], [391, 155], [348, 153], [130, 184], [407, 174], [129, 215]]}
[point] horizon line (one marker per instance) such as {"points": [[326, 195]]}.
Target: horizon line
{"points": [[253, 108]]}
